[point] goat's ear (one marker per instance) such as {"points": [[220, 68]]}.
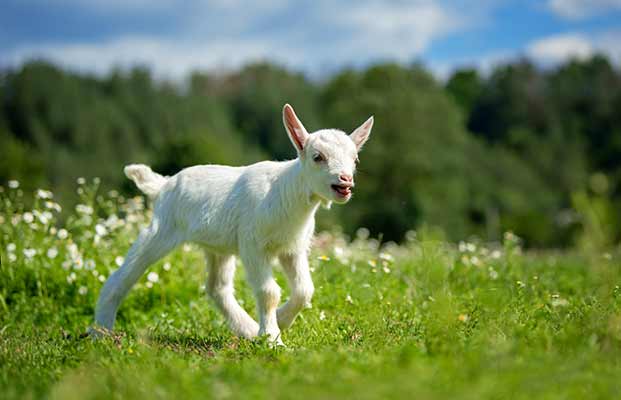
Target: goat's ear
{"points": [[296, 131], [361, 134]]}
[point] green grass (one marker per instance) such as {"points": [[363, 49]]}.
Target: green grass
{"points": [[423, 320]]}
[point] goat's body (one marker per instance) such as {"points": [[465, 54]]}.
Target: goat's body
{"points": [[258, 212], [224, 208]]}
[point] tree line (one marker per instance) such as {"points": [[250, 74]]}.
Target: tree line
{"points": [[475, 155]]}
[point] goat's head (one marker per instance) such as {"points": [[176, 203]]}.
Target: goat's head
{"points": [[328, 156]]}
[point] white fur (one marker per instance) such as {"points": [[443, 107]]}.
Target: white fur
{"points": [[257, 212]]}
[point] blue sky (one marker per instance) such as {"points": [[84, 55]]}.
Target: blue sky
{"points": [[316, 37]]}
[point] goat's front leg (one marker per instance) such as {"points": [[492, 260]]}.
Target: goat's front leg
{"points": [[267, 293], [296, 269]]}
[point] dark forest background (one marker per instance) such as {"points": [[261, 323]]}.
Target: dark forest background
{"points": [[536, 151]]}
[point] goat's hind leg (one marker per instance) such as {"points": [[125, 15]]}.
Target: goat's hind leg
{"points": [[153, 243], [221, 271]]}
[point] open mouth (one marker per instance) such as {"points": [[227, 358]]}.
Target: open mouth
{"points": [[342, 190]]}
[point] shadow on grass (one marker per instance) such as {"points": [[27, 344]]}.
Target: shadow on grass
{"points": [[231, 346], [203, 346]]}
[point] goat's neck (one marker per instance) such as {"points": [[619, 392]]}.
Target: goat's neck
{"points": [[296, 195]]}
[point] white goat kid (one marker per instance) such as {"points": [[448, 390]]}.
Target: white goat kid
{"points": [[260, 212]]}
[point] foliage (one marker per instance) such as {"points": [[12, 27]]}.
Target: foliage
{"points": [[424, 319]]}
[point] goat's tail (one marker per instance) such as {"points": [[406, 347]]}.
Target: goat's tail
{"points": [[148, 181]]}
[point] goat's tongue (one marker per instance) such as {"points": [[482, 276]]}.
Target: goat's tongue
{"points": [[342, 190]]}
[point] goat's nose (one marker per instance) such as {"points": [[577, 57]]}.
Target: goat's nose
{"points": [[346, 178]]}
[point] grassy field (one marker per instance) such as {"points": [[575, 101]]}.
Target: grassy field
{"points": [[424, 320]]}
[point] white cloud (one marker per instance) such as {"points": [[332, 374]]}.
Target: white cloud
{"points": [[167, 58], [579, 9], [396, 31], [558, 48]]}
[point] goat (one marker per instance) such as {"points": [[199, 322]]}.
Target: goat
{"points": [[258, 212]]}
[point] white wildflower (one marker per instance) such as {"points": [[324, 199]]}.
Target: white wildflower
{"points": [[84, 209], [11, 247], [187, 248], [44, 194], [52, 252], [101, 230], [53, 206], [386, 257], [71, 277], [43, 217], [12, 257], [475, 261], [89, 265], [153, 277], [149, 285], [81, 181], [63, 234], [496, 254], [13, 184], [66, 265], [83, 290], [322, 315], [74, 252], [102, 278], [362, 233], [349, 299], [118, 260], [166, 266], [28, 217], [410, 236], [30, 253]]}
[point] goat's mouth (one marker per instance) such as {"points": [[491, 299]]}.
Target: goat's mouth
{"points": [[342, 191]]}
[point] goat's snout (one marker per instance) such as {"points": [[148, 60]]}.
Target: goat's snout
{"points": [[346, 179]]}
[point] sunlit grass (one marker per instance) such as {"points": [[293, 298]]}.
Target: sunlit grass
{"points": [[425, 319]]}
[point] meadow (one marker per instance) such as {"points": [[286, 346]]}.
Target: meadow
{"points": [[423, 319]]}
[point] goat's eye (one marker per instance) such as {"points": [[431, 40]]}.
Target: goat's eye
{"points": [[318, 158]]}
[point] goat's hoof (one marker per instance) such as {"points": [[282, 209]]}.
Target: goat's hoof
{"points": [[275, 341]]}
